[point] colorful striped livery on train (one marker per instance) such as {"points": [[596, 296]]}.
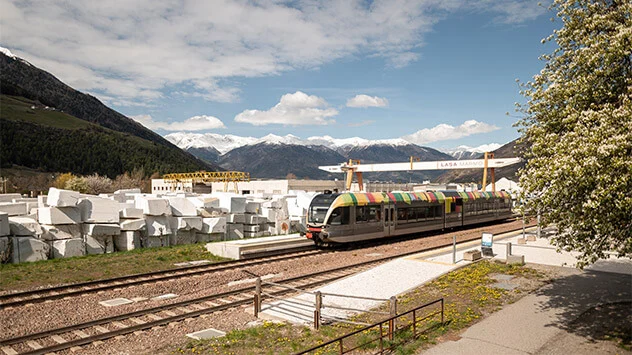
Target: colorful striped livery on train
{"points": [[356, 216]]}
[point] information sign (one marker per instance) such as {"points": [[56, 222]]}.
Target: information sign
{"points": [[487, 241]]}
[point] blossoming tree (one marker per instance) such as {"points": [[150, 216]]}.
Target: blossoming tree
{"points": [[577, 126]]}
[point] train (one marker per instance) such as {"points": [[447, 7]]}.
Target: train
{"points": [[338, 218]]}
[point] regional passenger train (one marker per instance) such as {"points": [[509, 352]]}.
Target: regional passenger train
{"points": [[351, 216]]}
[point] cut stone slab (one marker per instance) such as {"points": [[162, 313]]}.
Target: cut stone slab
{"points": [[234, 231], [504, 285], [24, 226], [127, 240], [27, 249], [68, 248], [185, 223], [42, 201], [116, 302], [4, 224], [182, 206], [501, 277], [253, 228], [133, 224], [131, 212], [236, 218], [59, 232], [153, 206], [99, 210], [4, 249], [206, 334], [62, 198], [101, 229], [254, 219], [99, 244], [164, 297], [253, 207], [155, 241], [13, 209], [157, 225], [515, 259], [59, 215], [214, 225], [9, 197], [238, 205], [182, 237]]}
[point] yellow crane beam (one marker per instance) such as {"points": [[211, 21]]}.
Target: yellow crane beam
{"points": [[209, 176]]}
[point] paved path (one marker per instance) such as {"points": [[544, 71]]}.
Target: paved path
{"points": [[546, 322]]}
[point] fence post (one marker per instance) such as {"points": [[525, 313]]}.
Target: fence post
{"points": [[508, 249], [257, 297], [319, 305], [391, 323], [454, 249]]}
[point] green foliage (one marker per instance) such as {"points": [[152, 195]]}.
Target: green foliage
{"points": [[86, 151], [77, 183], [62, 179], [578, 126]]}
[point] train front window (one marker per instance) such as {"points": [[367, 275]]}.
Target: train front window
{"points": [[317, 214], [319, 207]]}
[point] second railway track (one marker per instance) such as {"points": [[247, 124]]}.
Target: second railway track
{"points": [[58, 292]]}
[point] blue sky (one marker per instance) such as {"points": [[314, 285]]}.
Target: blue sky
{"points": [[441, 73]]}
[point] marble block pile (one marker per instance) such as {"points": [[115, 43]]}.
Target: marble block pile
{"points": [[67, 223]]}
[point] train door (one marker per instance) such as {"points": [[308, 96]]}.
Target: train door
{"points": [[388, 213]]}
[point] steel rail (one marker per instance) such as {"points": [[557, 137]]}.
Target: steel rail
{"points": [[138, 279]]}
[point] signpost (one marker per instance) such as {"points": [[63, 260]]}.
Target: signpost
{"points": [[487, 241]]}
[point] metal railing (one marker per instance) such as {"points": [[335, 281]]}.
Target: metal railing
{"points": [[318, 302], [392, 330]]}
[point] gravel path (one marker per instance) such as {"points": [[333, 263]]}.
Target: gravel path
{"points": [[44, 316]]}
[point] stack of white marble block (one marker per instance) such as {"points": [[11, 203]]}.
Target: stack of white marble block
{"points": [[66, 223]]}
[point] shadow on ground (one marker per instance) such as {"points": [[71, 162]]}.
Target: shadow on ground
{"points": [[594, 305]]}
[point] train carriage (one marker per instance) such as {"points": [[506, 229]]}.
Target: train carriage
{"points": [[353, 216]]}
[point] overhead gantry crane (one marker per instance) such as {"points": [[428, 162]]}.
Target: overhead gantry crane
{"points": [[354, 167], [205, 176]]}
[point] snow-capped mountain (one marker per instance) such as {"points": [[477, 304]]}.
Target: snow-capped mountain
{"points": [[226, 143], [222, 143], [465, 152]]}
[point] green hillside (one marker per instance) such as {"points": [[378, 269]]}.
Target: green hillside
{"points": [[37, 137]]}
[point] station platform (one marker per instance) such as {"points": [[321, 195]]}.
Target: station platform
{"points": [[401, 275], [255, 247]]}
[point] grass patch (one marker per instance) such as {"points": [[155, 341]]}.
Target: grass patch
{"points": [[95, 267], [22, 109], [467, 293]]}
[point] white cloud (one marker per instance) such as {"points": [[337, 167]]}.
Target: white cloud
{"points": [[145, 49], [367, 101], [444, 132], [195, 123], [293, 109]]}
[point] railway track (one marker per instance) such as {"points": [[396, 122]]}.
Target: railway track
{"points": [[76, 289], [78, 335]]}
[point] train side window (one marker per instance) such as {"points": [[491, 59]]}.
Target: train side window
{"points": [[386, 215], [402, 214], [361, 214], [374, 213], [339, 216], [392, 214]]}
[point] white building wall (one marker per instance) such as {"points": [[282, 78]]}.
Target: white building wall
{"points": [[159, 186]]}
